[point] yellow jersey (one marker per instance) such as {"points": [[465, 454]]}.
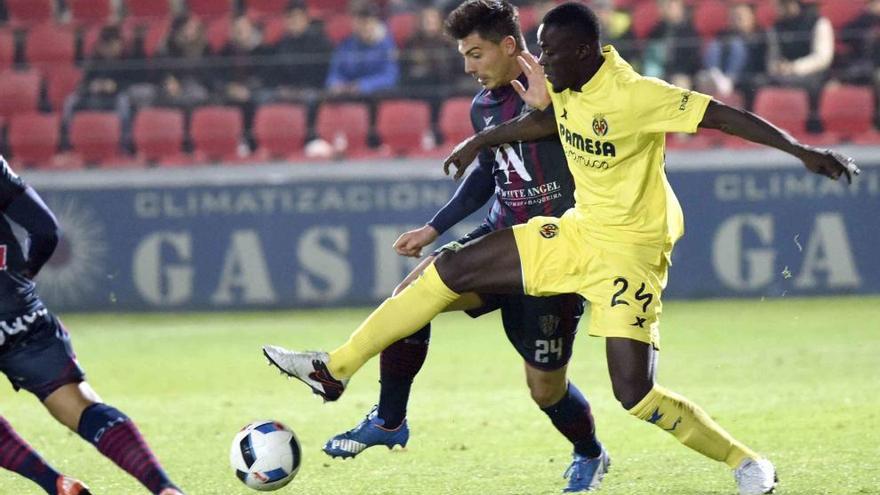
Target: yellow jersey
{"points": [[613, 132]]}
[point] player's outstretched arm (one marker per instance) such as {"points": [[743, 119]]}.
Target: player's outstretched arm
{"points": [[753, 128], [531, 126]]}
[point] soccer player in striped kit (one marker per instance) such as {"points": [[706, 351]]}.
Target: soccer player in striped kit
{"points": [[36, 355], [523, 179]]}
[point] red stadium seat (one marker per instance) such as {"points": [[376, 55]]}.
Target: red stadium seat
{"points": [[33, 138], [785, 107], [61, 82], [7, 49], [154, 34], [710, 17], [94, 137], [847, 111], [455, 120], [403, 124], [528, 18], [218, 32], [158, 135], [338, 27], [349, 122], [148, 10], [216, 133], [645, 16], [49, 45], [280, 130], [841, 12], [92, 12], [262, 9], [765, 13], [402, 27], [273, 30], [326, 8], [29, 12], [19, 92], [210, 8]]}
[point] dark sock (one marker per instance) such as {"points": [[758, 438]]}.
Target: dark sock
{"points": [[17, 456], [399, 364], [117, 438], [573, 418]]}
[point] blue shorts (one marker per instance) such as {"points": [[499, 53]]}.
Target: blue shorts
{"points": [[541, 329], [41, 360]]}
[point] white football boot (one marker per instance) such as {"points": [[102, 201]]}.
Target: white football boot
{"points": [[309, 368], [755, 477]]}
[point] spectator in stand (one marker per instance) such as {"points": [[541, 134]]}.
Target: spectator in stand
{"points": [[300, 57], [366, 62], [801, 49], [241, 67], [186, 65], [108, 74], [430, 65], [862, 40], [672, 46], [617, 29], [736, 56]]}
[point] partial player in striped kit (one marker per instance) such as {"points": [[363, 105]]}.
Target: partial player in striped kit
{"points": [[36, 355], [524, 180]]}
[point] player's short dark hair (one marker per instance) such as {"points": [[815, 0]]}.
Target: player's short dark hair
{"points": [[493, 20], [576, 17]]}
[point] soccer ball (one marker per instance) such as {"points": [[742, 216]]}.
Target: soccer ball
{"points": [[265, 455]]}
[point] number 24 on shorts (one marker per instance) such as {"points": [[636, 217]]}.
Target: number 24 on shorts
{"points": [[645, 298]]}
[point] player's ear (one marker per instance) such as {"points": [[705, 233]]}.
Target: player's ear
{"points": [[509, 45], [584, 51]]}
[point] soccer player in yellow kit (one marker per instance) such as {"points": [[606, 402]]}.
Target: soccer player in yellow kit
{"points": [[613, 247]]}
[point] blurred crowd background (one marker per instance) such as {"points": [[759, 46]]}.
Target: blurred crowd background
{"points": [[144, 83]]}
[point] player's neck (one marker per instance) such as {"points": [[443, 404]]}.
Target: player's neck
{"points": [[592, 68]]}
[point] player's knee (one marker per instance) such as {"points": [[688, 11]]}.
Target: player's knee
{"points": [[545, 394], [630, 392], [452, 272]]}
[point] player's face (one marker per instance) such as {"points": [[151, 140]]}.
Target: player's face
{"points": [[489, 63], [561, 57]]}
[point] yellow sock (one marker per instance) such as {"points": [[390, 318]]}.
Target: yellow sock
{"points": [[397, 317], [691, 426]]}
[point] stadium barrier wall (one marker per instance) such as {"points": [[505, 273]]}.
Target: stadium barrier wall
{"points": [[289, 236]]}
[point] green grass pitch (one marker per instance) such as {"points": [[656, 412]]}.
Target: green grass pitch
{"points": [[796, 379]]}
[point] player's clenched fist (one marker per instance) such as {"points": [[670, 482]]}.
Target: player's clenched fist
{"points": [[829, 163], [411, 243]]}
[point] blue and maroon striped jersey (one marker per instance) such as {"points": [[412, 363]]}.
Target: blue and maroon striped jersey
{"points": [[531, 178], [20, 204]]}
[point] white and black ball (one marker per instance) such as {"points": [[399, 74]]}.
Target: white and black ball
{"points": [[265, 455]]}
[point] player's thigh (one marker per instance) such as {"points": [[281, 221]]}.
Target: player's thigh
{"points": [[542, 329], [553, 255], [488, 265], [625, 295], [46, 362]]}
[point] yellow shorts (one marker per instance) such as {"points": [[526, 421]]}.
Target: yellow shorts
{"points": [[624, 290]]}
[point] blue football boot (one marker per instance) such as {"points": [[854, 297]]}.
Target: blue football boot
{"points": [[365, 435], [585, 473]]}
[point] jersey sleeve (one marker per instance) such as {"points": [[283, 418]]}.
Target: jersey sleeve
{"points": [[662, 107], [473, 193], [11, 185]]}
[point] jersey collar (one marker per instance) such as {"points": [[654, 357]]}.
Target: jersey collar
{"points": [[611, 58]]}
